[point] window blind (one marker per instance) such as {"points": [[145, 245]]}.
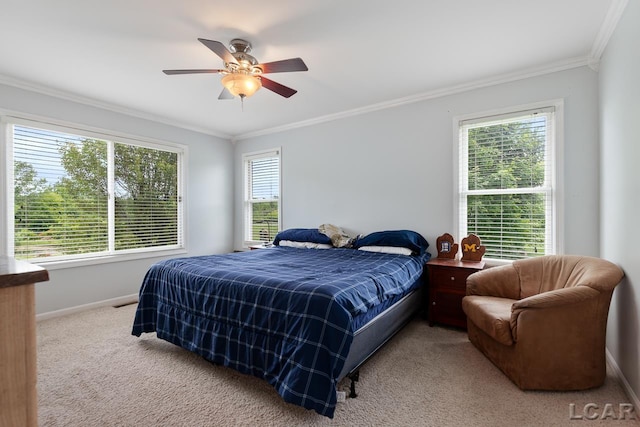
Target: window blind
{"points": [[262, 214], [76, 196], [146, 197], [506, 183]]}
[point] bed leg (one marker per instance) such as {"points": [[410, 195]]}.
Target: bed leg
{"points": [[353, 377]]}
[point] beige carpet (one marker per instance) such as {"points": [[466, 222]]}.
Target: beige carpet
{"points": [[93, 372]]}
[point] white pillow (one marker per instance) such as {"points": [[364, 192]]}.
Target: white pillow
{"points": [[305, 245], [387, 250]]}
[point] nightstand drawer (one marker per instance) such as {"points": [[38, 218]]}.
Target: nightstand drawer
{"points": [[451, 278]]}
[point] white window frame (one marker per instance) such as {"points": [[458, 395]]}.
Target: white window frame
{"points": [[247, 202], [8, 119], [554, 243]]}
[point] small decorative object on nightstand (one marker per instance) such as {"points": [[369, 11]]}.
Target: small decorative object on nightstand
{"points": [[446, 246], [472, 250], [447, 287]]}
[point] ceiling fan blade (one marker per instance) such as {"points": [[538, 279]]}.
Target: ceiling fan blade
{"points": [[282, 90], [225, 94], [286, 65], [171, 72], [220, 50]]}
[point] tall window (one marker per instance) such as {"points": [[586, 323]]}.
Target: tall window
{"points": [[74, 194], [507, 183], [262, 196]]}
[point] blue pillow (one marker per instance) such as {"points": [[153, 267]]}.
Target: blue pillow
{"points": [[398, 238], [302, 235]]}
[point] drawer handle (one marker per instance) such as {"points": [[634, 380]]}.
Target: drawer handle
{"points": [[453, 278]]}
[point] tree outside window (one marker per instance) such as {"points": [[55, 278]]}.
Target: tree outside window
{"points": [[77, 195], [506, 183], [262, 196]]}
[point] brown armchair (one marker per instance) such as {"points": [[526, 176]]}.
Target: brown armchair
{"points": [[543, 320]]}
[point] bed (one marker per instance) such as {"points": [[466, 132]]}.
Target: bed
{"points": [[301, 318]]}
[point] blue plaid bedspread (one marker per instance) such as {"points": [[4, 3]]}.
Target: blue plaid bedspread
{"points": [[282, 314]]}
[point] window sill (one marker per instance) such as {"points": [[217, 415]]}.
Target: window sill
{"points": [[495, 262], [83, 262]]}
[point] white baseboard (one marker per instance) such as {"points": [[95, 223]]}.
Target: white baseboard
{"points": [[623, 381], [128, 299]]}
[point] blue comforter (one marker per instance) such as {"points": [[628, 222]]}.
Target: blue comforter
{"points": [[281, 314]]}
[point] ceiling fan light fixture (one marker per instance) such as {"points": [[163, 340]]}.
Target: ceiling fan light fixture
{"points": [[241, 84], [242, 73]]}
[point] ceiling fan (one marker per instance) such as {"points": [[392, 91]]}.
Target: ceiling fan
{"points": [[242, 74]]}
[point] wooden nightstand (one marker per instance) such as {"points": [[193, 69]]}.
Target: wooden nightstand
{"points": [[447, 287]]}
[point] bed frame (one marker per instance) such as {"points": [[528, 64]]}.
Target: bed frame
{"points": [[376, 333]]}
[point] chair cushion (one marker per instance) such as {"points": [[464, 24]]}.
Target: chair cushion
{"points": [[491, 314]]}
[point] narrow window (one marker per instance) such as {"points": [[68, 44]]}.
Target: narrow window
{"points": [[262, 196], [507, 183]]}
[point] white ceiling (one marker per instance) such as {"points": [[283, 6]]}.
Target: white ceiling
{"points": [[361, 54]]}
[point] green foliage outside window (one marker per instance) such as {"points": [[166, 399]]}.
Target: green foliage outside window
{"points": [[509, 157], [265, 221], [68, 215]]}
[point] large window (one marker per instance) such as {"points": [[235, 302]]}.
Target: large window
{"points": [[262, 196], [507, 183], [74, 194]]}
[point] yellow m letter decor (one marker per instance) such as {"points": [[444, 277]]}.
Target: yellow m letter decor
{"points": [[469, 248], [472, 250]]}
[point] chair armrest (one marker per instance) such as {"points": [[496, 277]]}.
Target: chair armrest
{"points": [[553, 310], [555, 298], [502, 282]]}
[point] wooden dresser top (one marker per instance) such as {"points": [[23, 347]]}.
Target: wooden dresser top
{"points": [[17, 273]]}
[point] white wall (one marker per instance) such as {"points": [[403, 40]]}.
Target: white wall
{"points": [[620, 153], [209, 198], [392, 168]]}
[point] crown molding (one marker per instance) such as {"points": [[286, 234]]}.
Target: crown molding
{"points": [[32, 87], [478, 84], [438, 93], [606, 30]]}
